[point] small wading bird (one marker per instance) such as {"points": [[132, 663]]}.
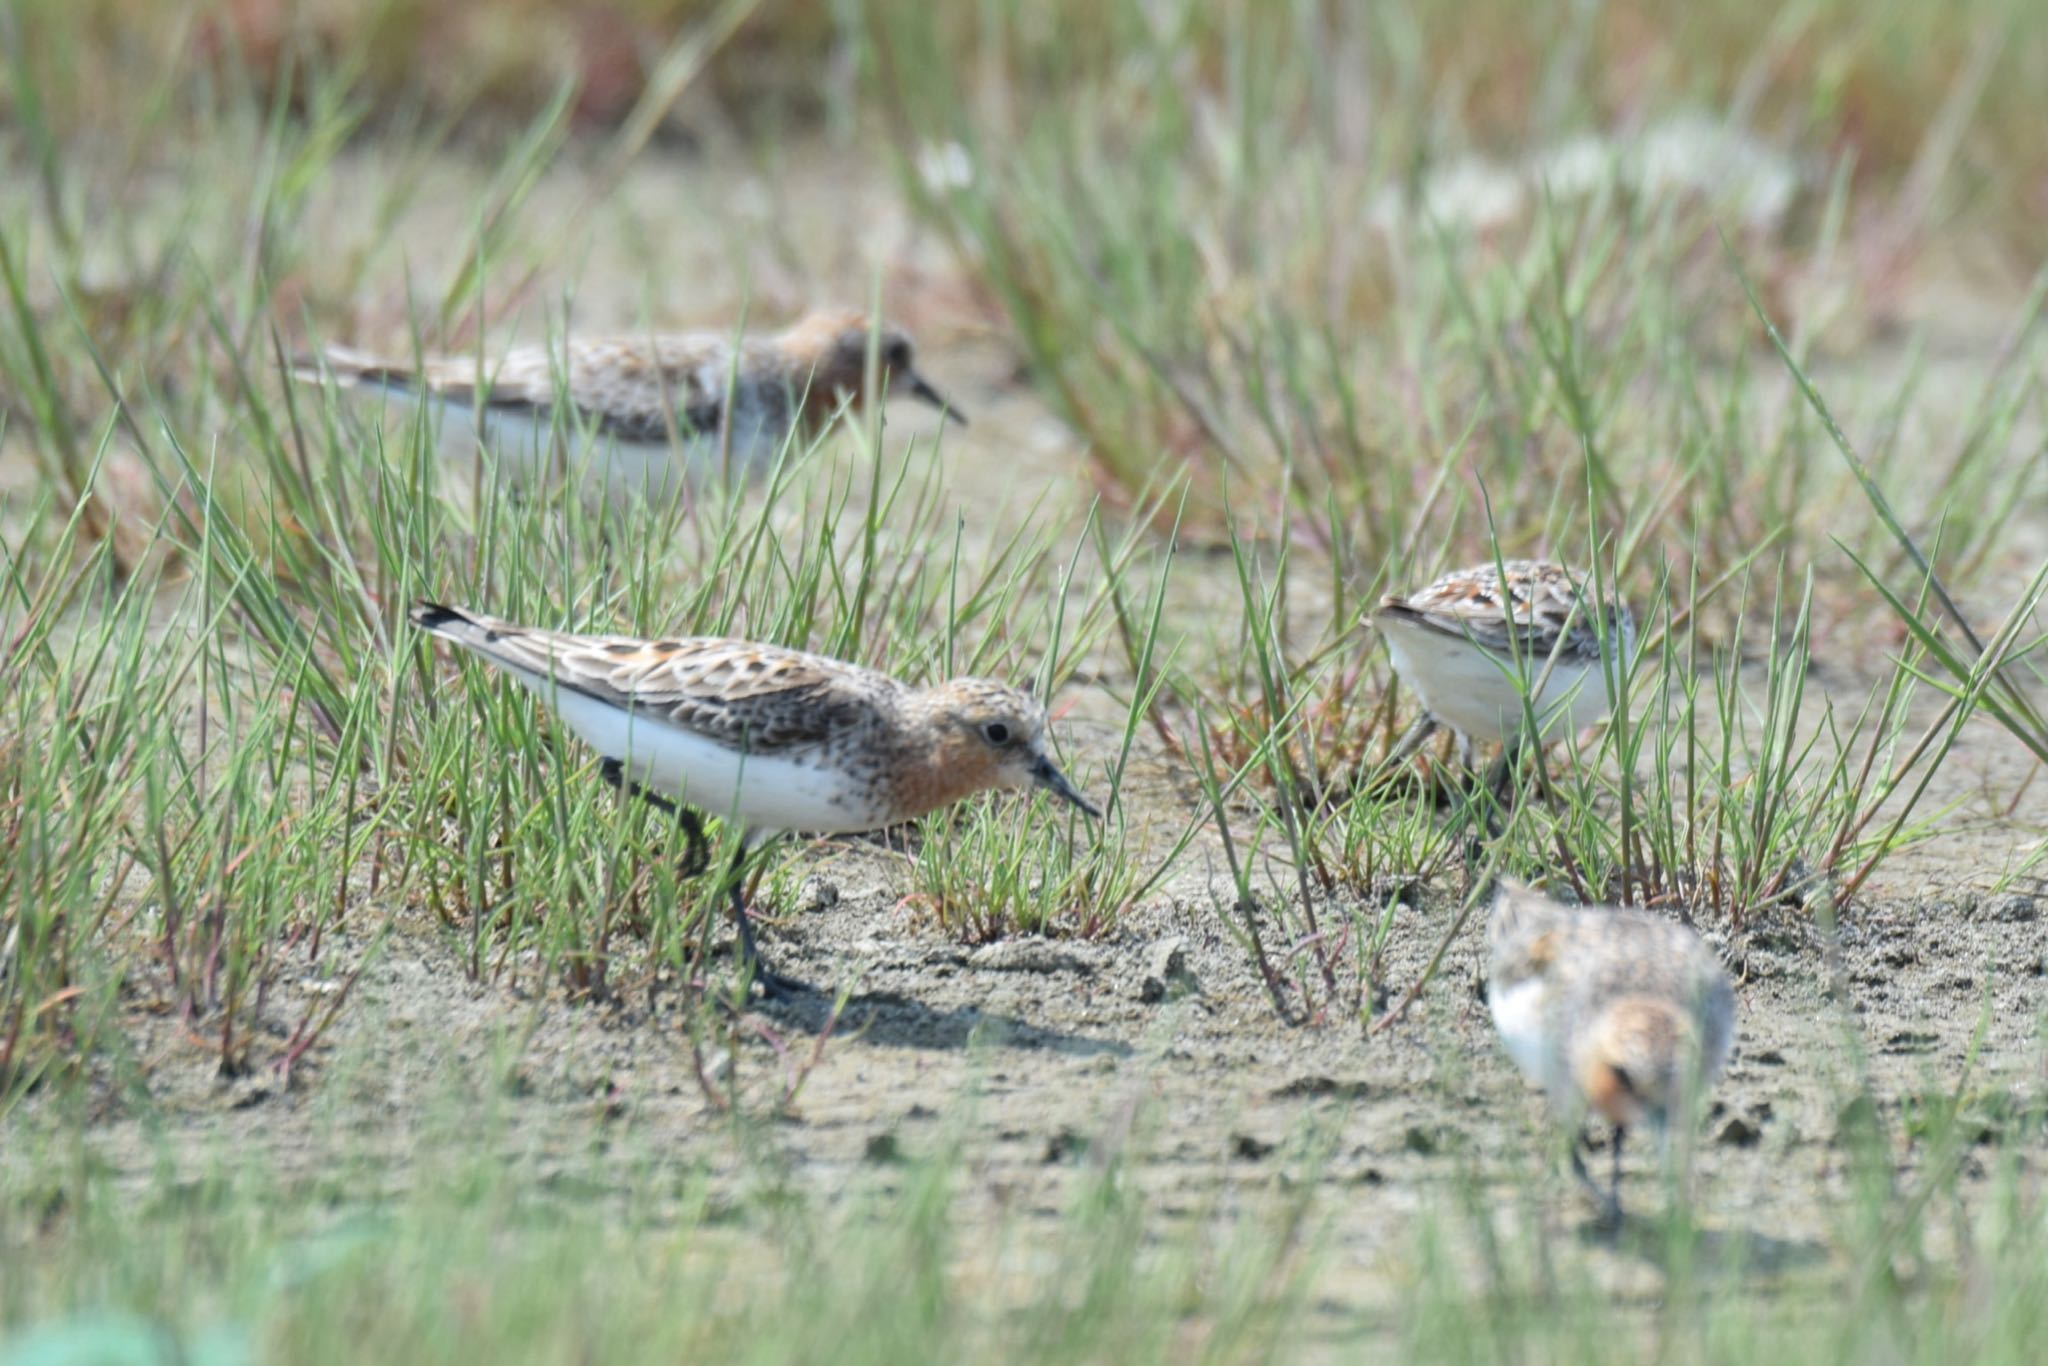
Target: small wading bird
{"points": [[774, 739], [660, 412], [1616, 1012], [1484, 649]]}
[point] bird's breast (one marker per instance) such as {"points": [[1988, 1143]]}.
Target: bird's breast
{"points": [[1520, 1015]]}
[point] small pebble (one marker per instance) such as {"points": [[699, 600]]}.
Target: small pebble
{"points": [[1249, 1147], [1738, 1133]]}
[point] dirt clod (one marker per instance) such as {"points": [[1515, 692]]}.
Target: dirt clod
{"points": [[2010, 909], [1166, 967], [1317, 1086], [816, 895], [1063, 1144], [1025, 955], [1738, 1133], [1250, 1148]]}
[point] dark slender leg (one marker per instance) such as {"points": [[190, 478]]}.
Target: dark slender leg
{"points": [[1405, 748], [1609, 1200], [1614, 1187], [1484, 797], [736, 887], [697, 857], [773, 984], [1500, 776], [1579, 1141], [696, 861]]}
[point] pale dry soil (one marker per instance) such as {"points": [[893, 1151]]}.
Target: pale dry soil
{"points": [[1042, 1066]]}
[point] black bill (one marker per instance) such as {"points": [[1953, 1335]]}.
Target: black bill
{"points": [[922, 391], [1047, 775]]}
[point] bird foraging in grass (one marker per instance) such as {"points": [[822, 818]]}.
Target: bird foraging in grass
{"points": [[1620, 1013], [1488, 647], [773, 739], [645, 416]]}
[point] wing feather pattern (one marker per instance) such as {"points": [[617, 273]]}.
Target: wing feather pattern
{"points": [[761, 698]]}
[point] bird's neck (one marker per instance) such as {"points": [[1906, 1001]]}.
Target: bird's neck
{"points": [[936, 763], [821, 401]]}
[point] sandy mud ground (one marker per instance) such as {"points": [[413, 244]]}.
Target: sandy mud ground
{"points": [[1156, 1044]]}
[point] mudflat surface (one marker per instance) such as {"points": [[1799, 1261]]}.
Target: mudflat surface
{"points": [[1040, 1058]]}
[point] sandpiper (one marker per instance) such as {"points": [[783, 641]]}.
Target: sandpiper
{"points": [[645, 416], [1479, 641], [772, 739], [1617, 1012]]}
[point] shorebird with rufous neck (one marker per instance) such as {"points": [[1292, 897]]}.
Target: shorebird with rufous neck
{"points": [[772, 739], [1619, 1013], [646, 417]]}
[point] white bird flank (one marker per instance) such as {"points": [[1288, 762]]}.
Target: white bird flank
{"points": [[1483, 649], [534, 448], [1607, 1009], [776, 739], [767, 794], [645, 416], [1620, 1013]]}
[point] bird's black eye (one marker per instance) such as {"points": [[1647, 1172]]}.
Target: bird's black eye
{"points": [[996, 733], [896, 355]]}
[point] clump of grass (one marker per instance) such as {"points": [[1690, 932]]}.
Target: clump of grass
{"points": [[246, 1258], [1977, 674], [279, 781], [1723, 786], [1178, 242], [76, 745], [990, 875], [628, 1248], [1736, 788]]}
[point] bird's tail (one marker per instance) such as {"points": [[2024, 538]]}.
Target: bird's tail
{"points": [[455, 624], [528, 653]]}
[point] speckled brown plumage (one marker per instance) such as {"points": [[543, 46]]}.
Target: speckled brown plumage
{"points": [[1486, 651], [770, 738], [706, 393], [1621, 1012], [1548, 605], [763, 697], [898, 751]]}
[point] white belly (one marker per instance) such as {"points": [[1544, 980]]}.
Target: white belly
{"points": [[764, 793], [528, 454], [1478, 693], [1518, 1015]]}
